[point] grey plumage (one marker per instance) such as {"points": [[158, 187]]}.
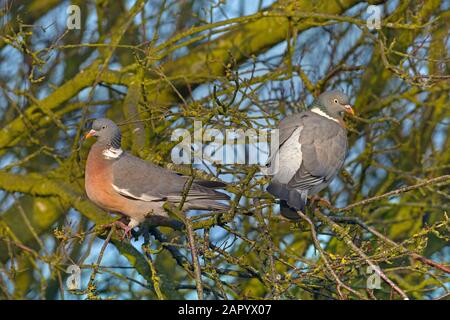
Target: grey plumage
{"points": [[142, 180], [312, 150], [107, 133]]}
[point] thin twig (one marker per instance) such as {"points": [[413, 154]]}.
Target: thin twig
{"points": [[445, 178], [325, 260], [347, 239], [91, 286], [414, 255], [195, 260], [155, 278]]}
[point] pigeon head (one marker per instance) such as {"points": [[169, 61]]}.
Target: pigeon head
{"points": [[106, 131], [333, 103]]}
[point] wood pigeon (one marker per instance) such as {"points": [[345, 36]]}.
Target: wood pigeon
{"points": [[119, 182], [312, 150]]}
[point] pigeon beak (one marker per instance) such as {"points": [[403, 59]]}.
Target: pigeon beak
{"points": [[90, 134], [349, 109]]}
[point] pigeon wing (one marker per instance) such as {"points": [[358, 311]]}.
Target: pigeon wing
{"points": [[141, 180], [324, 147]]}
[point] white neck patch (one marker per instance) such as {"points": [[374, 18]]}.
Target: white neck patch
{"points": [[323, 114], [112, 153]]}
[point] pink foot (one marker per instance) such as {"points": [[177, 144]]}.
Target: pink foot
{"points": [[126, 233], [126, 229]]}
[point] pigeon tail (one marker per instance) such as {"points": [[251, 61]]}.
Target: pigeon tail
{"points": [[278, 190], [211, 184], [288, 212], [296, 202], [291, 200], [207, 204]]}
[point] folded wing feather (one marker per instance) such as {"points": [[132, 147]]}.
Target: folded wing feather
{"points": [[138, 179]]}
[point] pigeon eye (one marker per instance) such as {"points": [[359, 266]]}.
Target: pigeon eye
{"points": [[104, 127], [335, 100]]}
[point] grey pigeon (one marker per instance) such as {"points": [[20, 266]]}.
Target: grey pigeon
{"points": [[312, 150], [119, 182]]}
